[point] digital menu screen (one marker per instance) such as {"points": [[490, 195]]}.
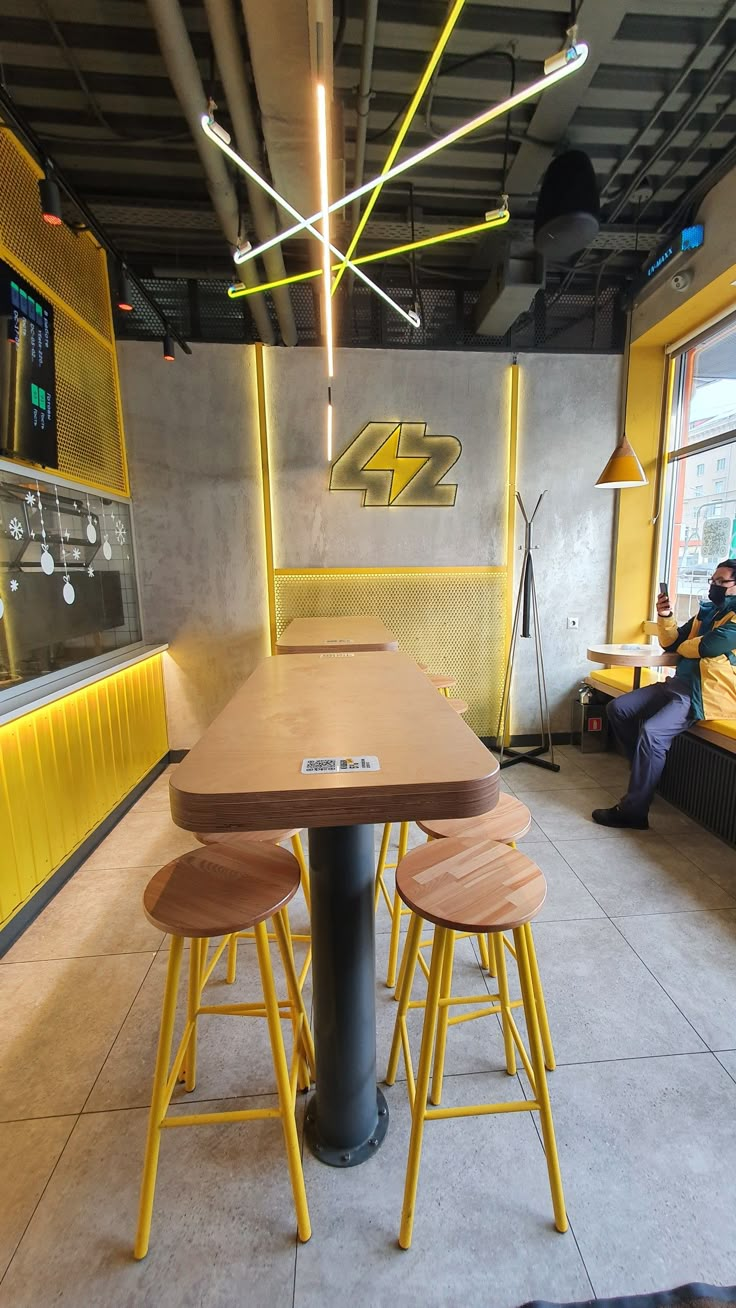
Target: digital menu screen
{"points": [[27, 372]]}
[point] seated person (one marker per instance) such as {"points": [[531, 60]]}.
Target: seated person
{"points": [[646, 721]]}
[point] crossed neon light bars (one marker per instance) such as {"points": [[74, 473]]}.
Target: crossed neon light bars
{"points": [[574, 58]]}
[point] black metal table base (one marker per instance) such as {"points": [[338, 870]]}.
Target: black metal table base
{"points": [[511, 756], [347, 1116]]}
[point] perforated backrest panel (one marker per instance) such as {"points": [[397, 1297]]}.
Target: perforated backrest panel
{"points": [[452, 619], [70, 270]]}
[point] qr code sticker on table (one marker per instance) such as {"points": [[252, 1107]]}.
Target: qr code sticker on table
{"points": [[348, 763], [319, 765]]}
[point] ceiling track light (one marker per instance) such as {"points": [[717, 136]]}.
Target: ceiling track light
{"points": [[125, 300], [168, 348], [308, 223], [50, 199], [577, 56]]}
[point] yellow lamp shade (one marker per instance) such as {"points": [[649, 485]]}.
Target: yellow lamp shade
{"points": [[623, 469]]}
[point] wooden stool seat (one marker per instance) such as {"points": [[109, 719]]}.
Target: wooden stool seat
{"points": [[459, 705], [471, 885], [442, 680], [509, 820], [215, 891], [237, 838]]}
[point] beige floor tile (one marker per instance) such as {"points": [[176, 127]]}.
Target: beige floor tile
{"points": [[567, 897], [99, 911], [641, 873], [224, 1231], [528, 779], [566, 814], [157, 795], [142, 839], [30, 1151], [58, 1021]]}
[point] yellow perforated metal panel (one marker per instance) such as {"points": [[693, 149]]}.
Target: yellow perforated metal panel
{"points": [[70, 270], [452, 619], [65, 766]]}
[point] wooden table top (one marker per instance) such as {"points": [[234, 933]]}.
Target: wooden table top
{"points": [[631, 656], [327, 635], [245, 772]]}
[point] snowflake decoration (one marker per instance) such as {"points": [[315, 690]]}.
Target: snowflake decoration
{"points": [[31, 500], [15, 529], [13, 584], [76, 554], [120, 532], [90, 571]]}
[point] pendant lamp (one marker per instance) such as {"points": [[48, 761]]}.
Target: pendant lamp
{"points": [[623, 468]]}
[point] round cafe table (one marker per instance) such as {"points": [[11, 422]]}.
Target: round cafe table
{"points": [[631, 656]]}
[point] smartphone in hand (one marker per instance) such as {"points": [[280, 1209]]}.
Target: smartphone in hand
{"points": [[663, 590]]}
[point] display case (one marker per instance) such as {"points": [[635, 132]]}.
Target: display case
{"points": [[68, 590]]}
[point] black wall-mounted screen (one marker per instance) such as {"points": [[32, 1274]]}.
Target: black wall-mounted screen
{"points": [[27, 372]]}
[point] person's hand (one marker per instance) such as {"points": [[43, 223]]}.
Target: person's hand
{"points": [[664, 607]]}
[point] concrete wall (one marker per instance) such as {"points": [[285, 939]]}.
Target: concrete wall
{"points": [[195, 480]]}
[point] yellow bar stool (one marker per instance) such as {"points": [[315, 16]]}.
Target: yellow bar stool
{"points": [[244, 839], [213, 892], [459, 705], [443, 681], [476, 887]]}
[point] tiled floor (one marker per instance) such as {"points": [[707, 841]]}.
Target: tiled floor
{"points": [[637, 946]]}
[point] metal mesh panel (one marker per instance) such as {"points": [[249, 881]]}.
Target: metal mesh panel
{"points": [[700, 779], [88, 421], [453, 619], [69, 265]]}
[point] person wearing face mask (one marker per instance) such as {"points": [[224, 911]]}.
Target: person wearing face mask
{"points": [[646, 721]]}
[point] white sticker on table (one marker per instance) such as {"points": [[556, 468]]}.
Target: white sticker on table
{"points": [[337, 656], [340, 640], [352, 763]]}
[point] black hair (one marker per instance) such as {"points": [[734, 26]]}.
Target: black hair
{"points": [[729, 563]]}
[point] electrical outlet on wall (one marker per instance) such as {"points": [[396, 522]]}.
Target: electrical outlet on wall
{"points": [[573, 624]]}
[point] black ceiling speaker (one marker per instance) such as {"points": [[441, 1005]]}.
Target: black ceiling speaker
{"points": [[568, 208]]}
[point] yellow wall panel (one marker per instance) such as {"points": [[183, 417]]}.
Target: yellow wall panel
{"points": [[452, 619], [64, 768]]}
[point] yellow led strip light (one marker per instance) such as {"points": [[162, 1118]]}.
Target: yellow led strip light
{"points": [[574, 58], [406, 122], [497, 219]]}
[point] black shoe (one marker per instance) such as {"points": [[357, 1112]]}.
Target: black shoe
{"points": [[614, 817]]}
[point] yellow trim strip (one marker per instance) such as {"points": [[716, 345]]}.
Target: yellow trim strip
{"points": [[266, 487], [33, 277], [378, 572], [398, 141]]}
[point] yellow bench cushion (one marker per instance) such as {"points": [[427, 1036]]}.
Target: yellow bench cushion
{"points": [[620, 679]]}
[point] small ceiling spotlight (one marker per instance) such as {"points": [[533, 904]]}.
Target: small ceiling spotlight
{"points": [[168, 348], [50, 198], [124, 300]]}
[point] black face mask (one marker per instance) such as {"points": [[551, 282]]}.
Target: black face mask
{"points": [[716, 593]]}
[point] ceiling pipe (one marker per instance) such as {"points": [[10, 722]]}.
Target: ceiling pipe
{"points": [[183, 71], [370, 15], [229, 58]]}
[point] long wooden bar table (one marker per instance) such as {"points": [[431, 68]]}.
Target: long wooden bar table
{"points": [[325, 635], [345, 713]]}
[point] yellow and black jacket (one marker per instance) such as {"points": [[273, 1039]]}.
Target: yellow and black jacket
{"points": [[707, 648]]}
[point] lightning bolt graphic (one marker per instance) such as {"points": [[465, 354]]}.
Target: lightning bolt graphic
{"points": [[388, 459]]}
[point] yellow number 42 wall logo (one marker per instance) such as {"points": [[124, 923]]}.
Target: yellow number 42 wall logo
{"points": [[398, 463]]}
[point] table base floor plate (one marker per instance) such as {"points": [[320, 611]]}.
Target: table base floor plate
{"points": [[340, 1157]]}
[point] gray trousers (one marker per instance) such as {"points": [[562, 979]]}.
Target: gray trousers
{"points": [[644, 723]]}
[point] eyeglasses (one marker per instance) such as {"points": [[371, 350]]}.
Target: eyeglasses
{"points": [[721, 581]]}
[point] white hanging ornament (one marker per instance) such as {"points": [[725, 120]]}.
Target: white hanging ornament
{"points": [[107, 549], [68, 592], [91, 532], [47, 560]]}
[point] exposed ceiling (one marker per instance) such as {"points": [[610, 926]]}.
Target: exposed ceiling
{"points": [[654, 108]]}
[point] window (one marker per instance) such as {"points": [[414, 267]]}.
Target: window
{"points": [[699, 530]]}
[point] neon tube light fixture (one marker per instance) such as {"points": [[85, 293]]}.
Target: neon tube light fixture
{"points": [[498, 218], [222, 139], [576, 56], [325, 198]]}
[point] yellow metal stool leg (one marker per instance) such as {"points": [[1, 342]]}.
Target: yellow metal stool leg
{"points": [[541, 1092], [381, 867], [499, 949], [298, 848], [193, 1000], [409, 967], [443, 1018], [232, 959], [302, 1034], [158, 1098], [485, 958], [549, 1053], [286, 1106], [393, 949], [420, 1097]]}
